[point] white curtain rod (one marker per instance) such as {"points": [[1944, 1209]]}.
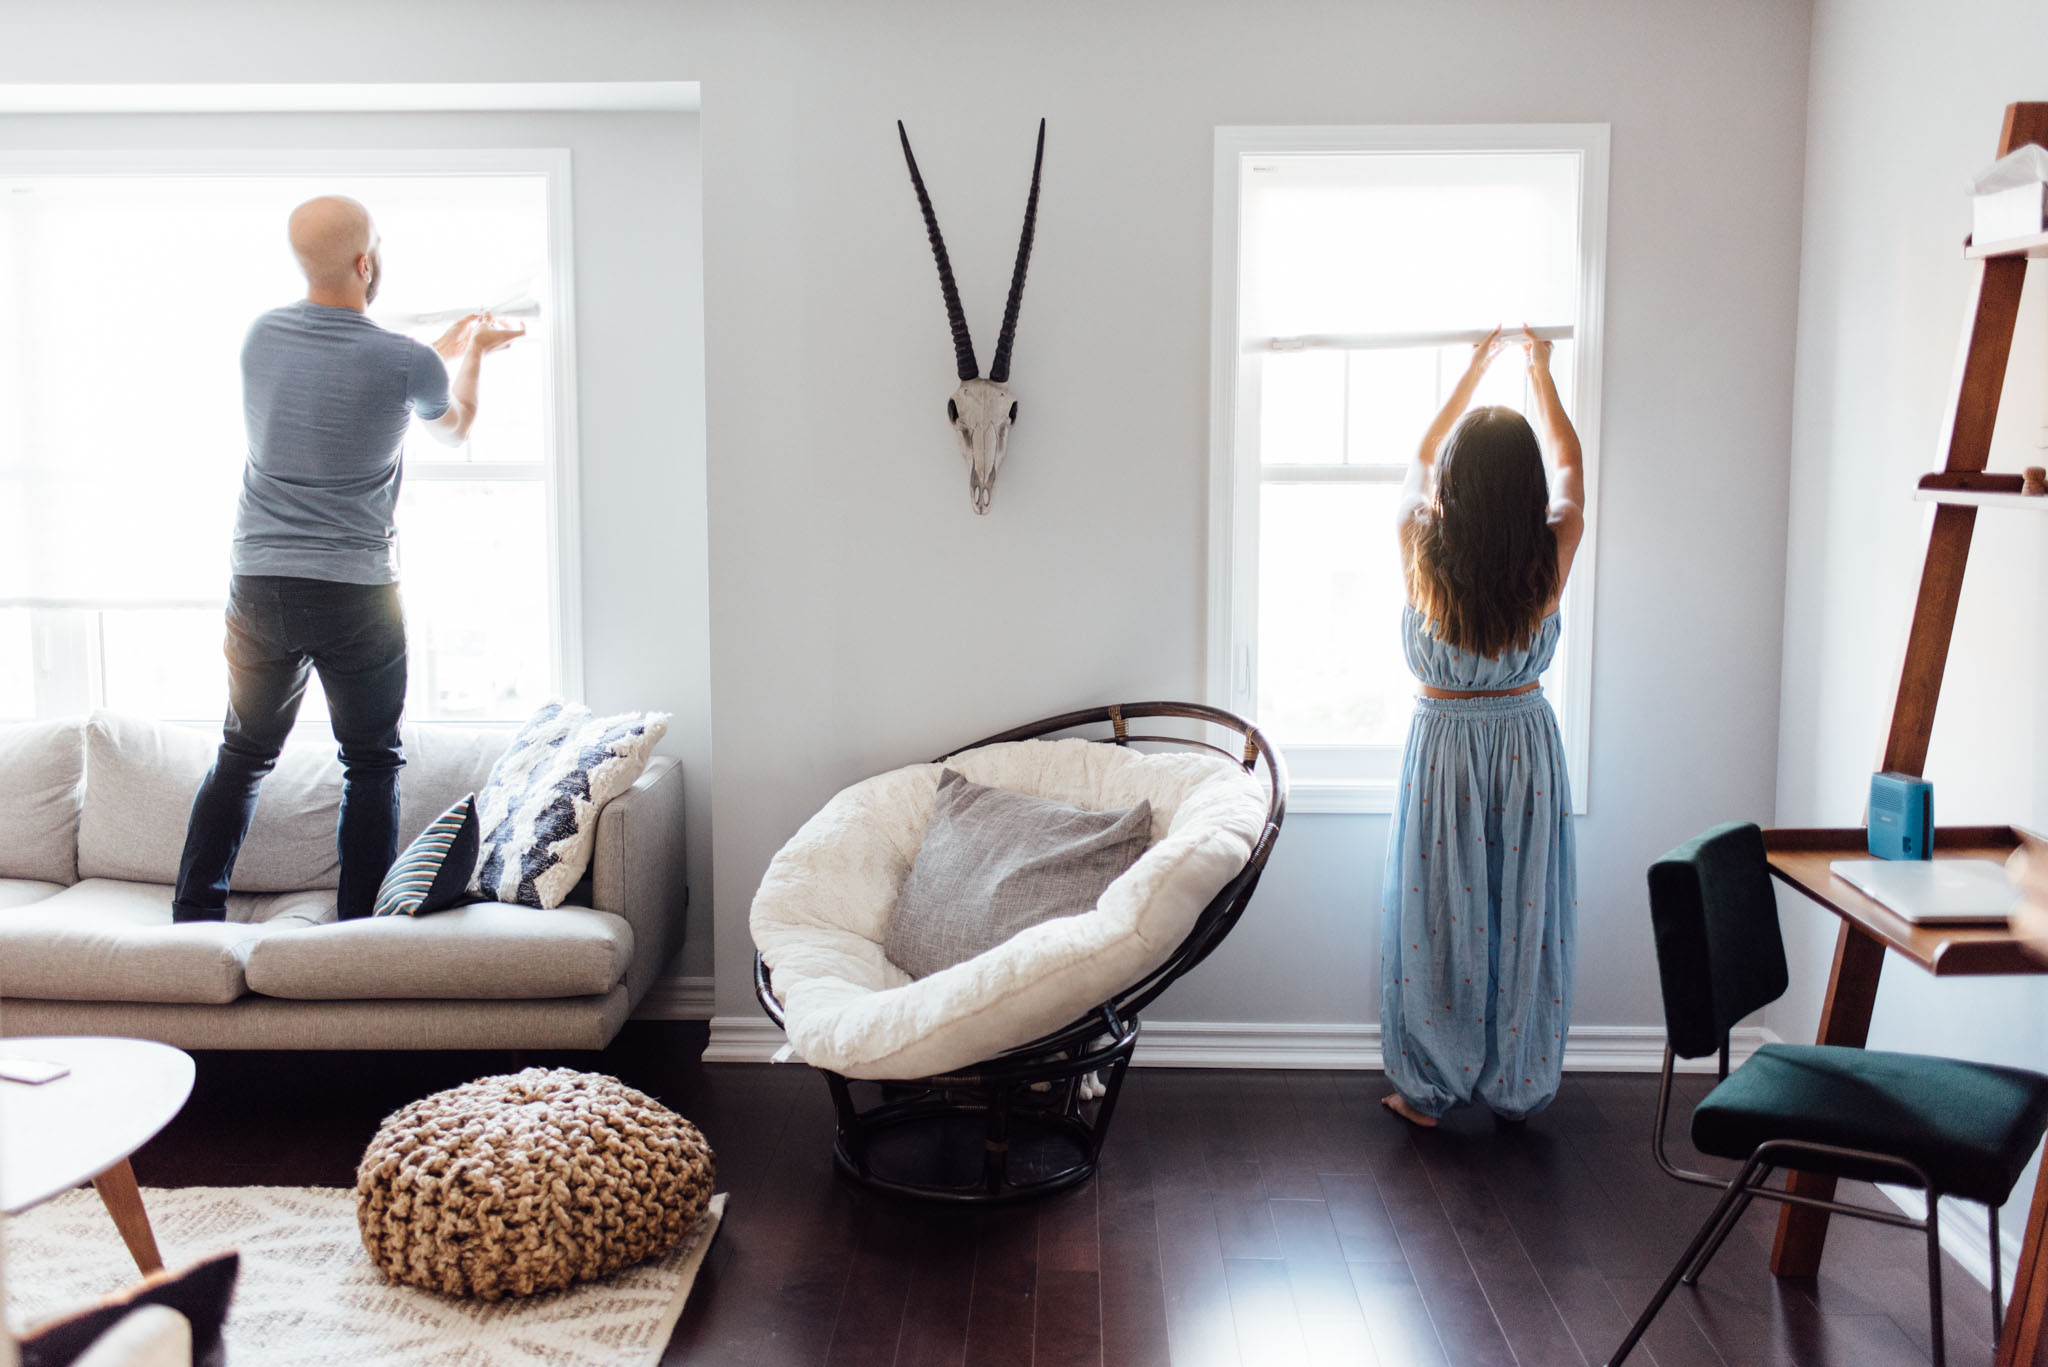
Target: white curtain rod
{"points": [[1394, 341]]}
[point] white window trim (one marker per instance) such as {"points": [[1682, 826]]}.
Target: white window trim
{"points": [[1234, 478], [561, 480]]}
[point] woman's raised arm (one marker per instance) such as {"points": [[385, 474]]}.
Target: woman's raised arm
{"points": [[1561, 443], [1415, 491]]}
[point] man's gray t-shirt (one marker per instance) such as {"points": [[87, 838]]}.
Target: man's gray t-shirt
{"points": [[327, 396]]}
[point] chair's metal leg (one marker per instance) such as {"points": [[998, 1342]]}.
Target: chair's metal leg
{"points": [[1737, 1191], [1997, 1282], [851, 1134], [1729, 1222], [1934, 1279], [1111, 1092]]}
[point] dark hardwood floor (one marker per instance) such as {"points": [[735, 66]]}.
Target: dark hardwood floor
{"points": [[1240, 1219]]}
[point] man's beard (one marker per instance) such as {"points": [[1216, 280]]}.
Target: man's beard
{"points": [[376, 278]]}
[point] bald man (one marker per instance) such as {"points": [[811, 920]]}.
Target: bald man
{"points": [[327, 398]]}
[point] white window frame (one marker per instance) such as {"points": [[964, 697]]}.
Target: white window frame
{"points": [[1363, 778], [72, 673]]}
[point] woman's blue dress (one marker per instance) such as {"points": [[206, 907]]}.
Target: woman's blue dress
{"points": [[1480, 913]]}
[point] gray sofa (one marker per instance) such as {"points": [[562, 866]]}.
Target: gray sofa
{"points": [[92, 820]]}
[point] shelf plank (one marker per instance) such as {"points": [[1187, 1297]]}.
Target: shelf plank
{"points": [[2034, 244], [1800, 857], [1966, 498], [1977, 489]]}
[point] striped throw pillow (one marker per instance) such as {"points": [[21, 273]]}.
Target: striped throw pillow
{"points": [[434, 870]]}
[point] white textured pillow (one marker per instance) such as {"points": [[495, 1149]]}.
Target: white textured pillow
{"points": [[538, 811]]}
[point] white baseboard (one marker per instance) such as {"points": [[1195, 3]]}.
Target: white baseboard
{"points": [[676, 997], [1966, 1235], [742, 1039], [1218, 1044], [1214, 1044]]}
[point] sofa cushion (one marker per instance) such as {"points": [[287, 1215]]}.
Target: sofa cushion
{"points": [[481, 950], [106, 940], [442, 763], [19, 892], [42, 781], [141, 777]]}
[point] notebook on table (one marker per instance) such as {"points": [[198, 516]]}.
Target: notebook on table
{"points": [[1933, 892]]}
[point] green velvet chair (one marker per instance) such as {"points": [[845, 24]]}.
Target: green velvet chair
{"points": [[1947, 1127]]}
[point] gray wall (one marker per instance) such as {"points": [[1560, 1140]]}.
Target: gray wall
{"points": [[861, 616], [1905, 105], [640, 367]]}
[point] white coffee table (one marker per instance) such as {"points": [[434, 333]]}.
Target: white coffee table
{"points": [[83, 1126]]}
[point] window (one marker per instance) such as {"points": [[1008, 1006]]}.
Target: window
{"points": [[1355, 267], [126, 285]]}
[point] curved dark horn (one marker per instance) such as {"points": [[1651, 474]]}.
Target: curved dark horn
{"points": [[999, 365], [963, 344]]}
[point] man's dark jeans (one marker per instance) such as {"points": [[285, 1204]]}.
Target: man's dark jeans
{"points": [[354, 635]]}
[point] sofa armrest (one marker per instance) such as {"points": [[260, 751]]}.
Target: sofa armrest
{"points": [[638, 869]]}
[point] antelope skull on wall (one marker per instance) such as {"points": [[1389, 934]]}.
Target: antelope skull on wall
{"points": [[982, 411]]}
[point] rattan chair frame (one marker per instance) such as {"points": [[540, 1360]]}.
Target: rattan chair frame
{"points": [[1037, 1087]]}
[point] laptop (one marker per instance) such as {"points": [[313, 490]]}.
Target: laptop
{"points": [[1933, 892]]}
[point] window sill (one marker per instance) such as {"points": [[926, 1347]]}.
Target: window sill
{"points": [[1373, 797]]}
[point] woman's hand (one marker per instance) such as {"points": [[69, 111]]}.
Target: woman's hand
{"points": [[1537, 350], [1483, 354]]}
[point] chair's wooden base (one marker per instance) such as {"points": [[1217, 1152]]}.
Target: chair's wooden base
{"points": [[123, 1200]]}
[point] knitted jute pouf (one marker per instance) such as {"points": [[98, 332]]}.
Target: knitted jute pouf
{"points": [[529, 1182]]}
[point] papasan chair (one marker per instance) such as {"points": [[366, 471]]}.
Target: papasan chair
{"points": [[995, 1079]]}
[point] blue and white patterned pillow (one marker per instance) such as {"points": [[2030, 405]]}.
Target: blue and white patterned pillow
{"points": [[434, 870], [538, 810]]}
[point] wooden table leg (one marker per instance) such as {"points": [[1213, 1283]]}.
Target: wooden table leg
{"points": [[123, 1200], [2025, 1341], [1845, 1020]]}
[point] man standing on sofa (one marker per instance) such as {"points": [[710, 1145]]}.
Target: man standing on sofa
{"points": [[327, 398]]}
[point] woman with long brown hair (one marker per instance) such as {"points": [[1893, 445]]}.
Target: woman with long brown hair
{"points": [[1478, 923]]}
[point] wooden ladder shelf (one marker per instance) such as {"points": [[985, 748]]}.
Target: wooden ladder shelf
{"points": [[1958, 490]]}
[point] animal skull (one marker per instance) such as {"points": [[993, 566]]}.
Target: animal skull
{"points": [[982, 411]]}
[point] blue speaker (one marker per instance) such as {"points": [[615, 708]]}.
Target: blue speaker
{"points": [[1901, 816]]}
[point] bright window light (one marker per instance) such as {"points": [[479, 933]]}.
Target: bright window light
{"points": [[124, 300], [1361, 274]]}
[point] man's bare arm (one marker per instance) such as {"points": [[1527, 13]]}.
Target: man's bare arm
{"points": [[474, 337]]}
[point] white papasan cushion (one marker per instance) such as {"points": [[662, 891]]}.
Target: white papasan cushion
{"points": [[826, 900]]}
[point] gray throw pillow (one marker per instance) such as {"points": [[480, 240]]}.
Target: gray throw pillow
{"points": [[994, 863]]}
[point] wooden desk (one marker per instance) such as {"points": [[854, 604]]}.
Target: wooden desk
{"points": [[1800, 858]]}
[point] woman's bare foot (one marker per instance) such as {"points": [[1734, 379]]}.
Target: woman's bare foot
{"points": [[1398, 1104]]}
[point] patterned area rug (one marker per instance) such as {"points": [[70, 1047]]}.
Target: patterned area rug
{"points": [[309, 1297]]}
